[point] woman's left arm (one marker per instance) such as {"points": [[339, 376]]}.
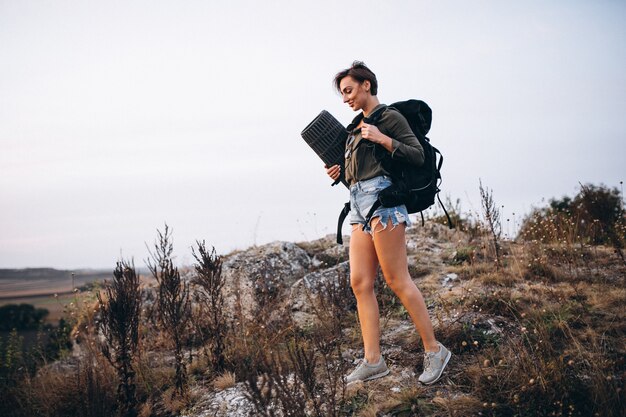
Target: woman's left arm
{"points": [[373, 134]]}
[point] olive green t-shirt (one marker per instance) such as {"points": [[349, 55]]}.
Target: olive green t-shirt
{"points": [[362, 165]]}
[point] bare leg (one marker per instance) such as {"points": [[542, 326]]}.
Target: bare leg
{"points": [[390, 246], [363, 269]]}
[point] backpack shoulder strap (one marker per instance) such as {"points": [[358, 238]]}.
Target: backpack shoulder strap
{"points": [[445, 211], [368, 218], [342, 217], [374, 118], [355, 122]]}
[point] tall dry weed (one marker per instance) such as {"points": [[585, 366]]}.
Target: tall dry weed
{"points": [[210, 320], [119, 322], [173, 302], [491, 214]]}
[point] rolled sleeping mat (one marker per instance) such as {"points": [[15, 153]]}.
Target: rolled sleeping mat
{"points": [[327, 137]]}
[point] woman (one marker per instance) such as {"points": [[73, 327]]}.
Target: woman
{"points": [[382, 242]]}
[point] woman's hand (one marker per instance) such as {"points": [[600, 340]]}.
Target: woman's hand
{"points": [[333, 172], [371, 133]]}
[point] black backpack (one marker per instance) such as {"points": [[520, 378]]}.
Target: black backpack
{"points": [[416, 187]]}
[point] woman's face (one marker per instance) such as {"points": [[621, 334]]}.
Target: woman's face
{"points": [[354, 93]]}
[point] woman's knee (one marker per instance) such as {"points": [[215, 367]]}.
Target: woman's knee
{"points": [[361, 284], [399, 283]]}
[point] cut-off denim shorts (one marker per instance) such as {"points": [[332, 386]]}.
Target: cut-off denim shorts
{"points": [[364, 193]]}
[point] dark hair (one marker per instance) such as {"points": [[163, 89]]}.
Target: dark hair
{"points": [[359, 72]]}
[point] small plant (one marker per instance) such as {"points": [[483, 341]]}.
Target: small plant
{"points": [[492, 217], [335, 302], [119, 323], [275, 389], [210, 282], [12, 355], [173, 302], [465, 254]]}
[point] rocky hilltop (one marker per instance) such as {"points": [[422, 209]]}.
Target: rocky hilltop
{"points": [[537, 329]]}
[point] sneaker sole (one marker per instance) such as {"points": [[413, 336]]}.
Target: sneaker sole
{"points": [[376, 376], [445, 363]]}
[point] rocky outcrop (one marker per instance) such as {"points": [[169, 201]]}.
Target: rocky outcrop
{"points": [[267, 270], [304, 294]]}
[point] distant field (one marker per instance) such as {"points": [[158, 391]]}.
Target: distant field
{"points": [[39, 286], [54, 305], [45, 281]]}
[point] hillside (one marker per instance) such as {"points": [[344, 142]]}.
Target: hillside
{"points": [[540, 333]]}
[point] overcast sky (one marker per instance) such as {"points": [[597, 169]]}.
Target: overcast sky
{"points": [[118, 116]]}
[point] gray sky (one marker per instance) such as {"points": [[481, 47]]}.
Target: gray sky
{"points": [[116, 117]]}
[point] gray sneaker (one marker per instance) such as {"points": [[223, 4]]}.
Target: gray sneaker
{"points": [[366, 371], [434, 364]]}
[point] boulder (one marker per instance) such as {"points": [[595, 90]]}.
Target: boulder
{"points": [[305, 293], [262, 271]]}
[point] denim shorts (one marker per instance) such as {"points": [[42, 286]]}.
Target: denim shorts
{"points": [[364, 193]]}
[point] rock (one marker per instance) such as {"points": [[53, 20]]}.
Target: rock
{"points": [[305, 292], [325, 252], [231, 402], [269, 269], [448, 280]]}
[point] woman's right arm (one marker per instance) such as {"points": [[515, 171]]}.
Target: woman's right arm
{"points": [[333, 172]]}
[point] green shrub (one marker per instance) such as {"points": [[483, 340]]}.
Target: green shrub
{"points": [[594, 216], [21, 317]]}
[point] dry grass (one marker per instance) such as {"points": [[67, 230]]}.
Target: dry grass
{"points": [[86, 388], [224, 381]]}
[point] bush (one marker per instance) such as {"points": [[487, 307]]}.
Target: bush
{"points": [[594, 216], [21, 317]]}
